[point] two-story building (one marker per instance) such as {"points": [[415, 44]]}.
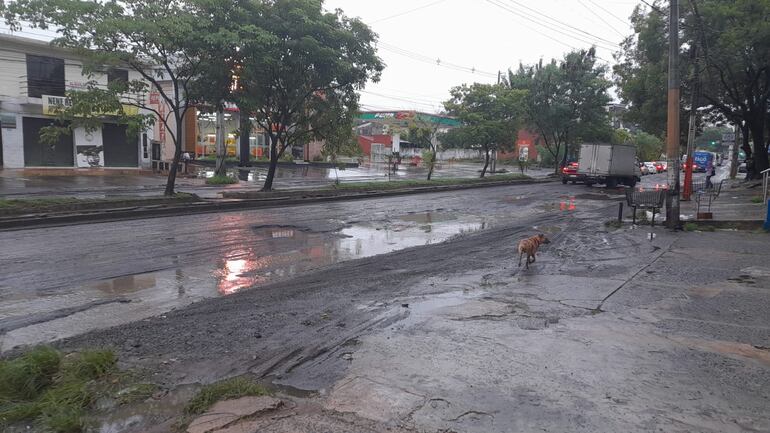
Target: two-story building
{"points": [[34, 77]]}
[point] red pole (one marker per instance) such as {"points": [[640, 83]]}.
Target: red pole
{"points": [[687, 178]]}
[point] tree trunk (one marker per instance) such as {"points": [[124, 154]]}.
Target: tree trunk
{"points": [[564, 158], [431, 163], [268, 186], [171, 180], [759, 157], [220, 168], [486, 163], [245, 148]]}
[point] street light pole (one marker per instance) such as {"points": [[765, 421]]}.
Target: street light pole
{"points": [[672, 138]]}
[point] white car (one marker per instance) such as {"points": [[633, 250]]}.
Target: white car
{"points": [[651, 167]]}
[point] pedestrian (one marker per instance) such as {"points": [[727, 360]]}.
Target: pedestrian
{"points": [[712, 172]]}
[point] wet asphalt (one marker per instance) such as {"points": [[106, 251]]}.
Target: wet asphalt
{"points": [[611, 330]]}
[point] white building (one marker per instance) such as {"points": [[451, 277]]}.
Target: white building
{"points": [[34, 77]]}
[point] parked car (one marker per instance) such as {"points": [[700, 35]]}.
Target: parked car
{"points": [[569, 173], [651, 167], [660, 166], [742, 167]]}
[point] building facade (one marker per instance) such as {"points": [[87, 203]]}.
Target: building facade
{"points": [[34, 77]]}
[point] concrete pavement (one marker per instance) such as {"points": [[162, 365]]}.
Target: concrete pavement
{"points": [[630, 330]]}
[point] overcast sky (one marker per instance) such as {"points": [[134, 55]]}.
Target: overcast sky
{"points": [[488, 35], [463, 36]]}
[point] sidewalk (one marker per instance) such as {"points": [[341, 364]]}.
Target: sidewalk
{"points": [[734, 203], [121, 183]]}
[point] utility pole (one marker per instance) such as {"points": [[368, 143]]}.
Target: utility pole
{"points": [[734, 153], [672, 138], [687, 191]]}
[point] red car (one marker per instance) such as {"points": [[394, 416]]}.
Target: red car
{"points": [[659, 166], [569, 173]]}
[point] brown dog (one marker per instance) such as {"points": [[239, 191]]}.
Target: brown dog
{"points": [[529, 247]]}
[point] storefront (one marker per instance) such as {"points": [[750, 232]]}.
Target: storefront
{"points": [[207, 138]]}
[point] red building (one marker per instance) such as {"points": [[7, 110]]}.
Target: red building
{"points": [[525, 148]]}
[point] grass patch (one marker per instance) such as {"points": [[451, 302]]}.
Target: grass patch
{"points": [[613, 224], [693, 227], [44, 202], [228, 389], [757, 200], [221, 180], [411, 183], [51, 390], [60, 204]]}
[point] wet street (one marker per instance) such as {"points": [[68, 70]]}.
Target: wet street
{"points": [[409, 314], [67, 280]]}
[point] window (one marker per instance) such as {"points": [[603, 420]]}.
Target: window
{"points": [[45, 76], [117, 75]]}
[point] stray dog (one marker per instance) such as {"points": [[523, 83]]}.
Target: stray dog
{"points": [[529, 247]]}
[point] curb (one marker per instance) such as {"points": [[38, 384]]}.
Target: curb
{"points": [[228, 205]]}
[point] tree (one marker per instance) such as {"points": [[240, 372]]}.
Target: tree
{"points": [[641, 71], [648, 147], [162, 40], [729, 44], [490, 115], [302, 79], [711, 138], [734, 37], [423, 134], [339, 142], [565, 101]]}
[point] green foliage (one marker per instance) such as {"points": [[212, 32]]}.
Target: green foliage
{"points": [[565, 101], [730, 41], [228, 389], [490, 114], [424, 134], [641, 71], [52, 390], [221, 180], [711, 138], [301, 79], [91, 107], [25, 377], [167, 42], [648, 147], [757, 200]]}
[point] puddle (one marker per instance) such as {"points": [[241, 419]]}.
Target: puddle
{"points": [[274, 252]]}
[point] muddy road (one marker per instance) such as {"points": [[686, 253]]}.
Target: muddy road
{"points": [[61, 281], [631, 329]]}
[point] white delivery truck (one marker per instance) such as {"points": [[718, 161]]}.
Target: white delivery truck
{"points": [[609, 164]]}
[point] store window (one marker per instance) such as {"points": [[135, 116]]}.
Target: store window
{"points": [[45, 76], [114, 75]]}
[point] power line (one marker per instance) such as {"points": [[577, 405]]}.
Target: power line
{"points": [[601, 19], [396, 98], [550, 27], [624, 22], [492, 2], [407, 11], [435, 61], [577, 29]]}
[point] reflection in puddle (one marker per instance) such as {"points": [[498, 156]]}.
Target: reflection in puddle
{"points": [[266, 254], [288, 251]]}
